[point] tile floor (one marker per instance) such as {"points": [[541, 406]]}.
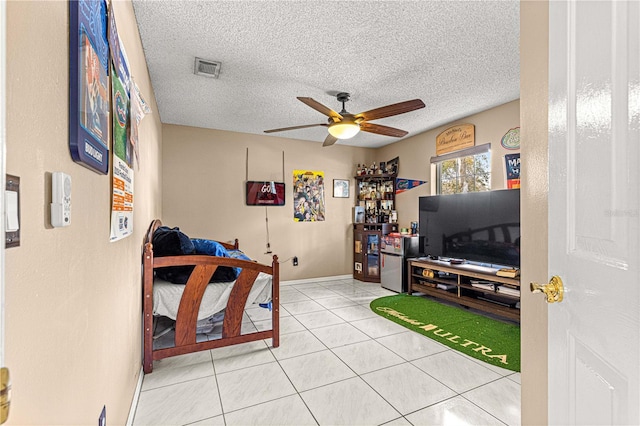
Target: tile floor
{"points": [[338, 364]]}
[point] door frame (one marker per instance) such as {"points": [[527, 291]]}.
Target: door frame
{"points": [[534, 96], [3, 150]]}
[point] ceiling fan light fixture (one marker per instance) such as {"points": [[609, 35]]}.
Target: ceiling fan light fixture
{"points": [[344, 129]]}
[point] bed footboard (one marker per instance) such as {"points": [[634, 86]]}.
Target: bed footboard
{"points": [[185, 327]]}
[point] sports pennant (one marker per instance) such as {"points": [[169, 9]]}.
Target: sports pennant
{"points": [[407, 184]]}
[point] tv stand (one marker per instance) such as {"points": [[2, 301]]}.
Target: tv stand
{"points": [[466, 284]]}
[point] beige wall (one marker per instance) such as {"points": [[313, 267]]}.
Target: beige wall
{"points": [[205, 170], [73, 304], [204, 174], [415, 154], [534, 64]]}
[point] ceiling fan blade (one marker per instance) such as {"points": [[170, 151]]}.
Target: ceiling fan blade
{"points": [[382, 130], [330, 140], [389, 110], [295, 127], [321, 108]]}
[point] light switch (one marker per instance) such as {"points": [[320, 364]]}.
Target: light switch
{"points": [[11, 206], [12, 211]]}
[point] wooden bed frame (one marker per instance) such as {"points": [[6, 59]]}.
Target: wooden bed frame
{"points": [[185, 328]]}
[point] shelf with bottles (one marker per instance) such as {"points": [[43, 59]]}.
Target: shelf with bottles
{"points": [[378, 211], [377, 197], [380, 188], [373, 243], [384, 169]]}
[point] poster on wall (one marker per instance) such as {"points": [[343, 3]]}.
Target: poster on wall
{"points": [[122, 180], [138, 109], [308, 196], [89, 101], [512, 164]]}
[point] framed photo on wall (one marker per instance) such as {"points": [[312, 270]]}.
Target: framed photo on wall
{"points": [[340, 188], [392, 166]]}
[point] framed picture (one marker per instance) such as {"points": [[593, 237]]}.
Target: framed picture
{"points": [[340, 188], [392, 166]]}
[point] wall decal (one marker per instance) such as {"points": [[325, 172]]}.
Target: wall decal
{"points": [[511, 139]]}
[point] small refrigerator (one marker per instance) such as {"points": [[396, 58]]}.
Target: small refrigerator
{"points": [[394, 251]]}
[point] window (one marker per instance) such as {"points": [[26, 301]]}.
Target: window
{"points": [[464, 171]]}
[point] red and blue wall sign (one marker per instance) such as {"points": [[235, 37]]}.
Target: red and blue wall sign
{"points": [[265, 193]]}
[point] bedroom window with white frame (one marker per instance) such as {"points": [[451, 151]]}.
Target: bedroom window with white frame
{"points": [[467, 170]]}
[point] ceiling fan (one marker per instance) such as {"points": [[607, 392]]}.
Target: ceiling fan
{"points": [[344, 125]]}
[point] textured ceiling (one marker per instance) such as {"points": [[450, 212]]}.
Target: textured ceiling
{"points": [[458, 57]]}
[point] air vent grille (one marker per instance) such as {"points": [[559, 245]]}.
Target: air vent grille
{"points": [[207, 68]]}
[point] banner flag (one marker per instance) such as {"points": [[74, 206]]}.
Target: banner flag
{"points": [[403, 185]]}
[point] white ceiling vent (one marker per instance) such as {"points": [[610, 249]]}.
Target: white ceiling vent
{"points": [[207, 68]]}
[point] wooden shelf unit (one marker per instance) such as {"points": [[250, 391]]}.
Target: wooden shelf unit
{"points": [[462, 292], [366, 251], [376, 193]]}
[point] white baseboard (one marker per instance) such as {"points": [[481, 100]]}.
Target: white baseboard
{"points": [[316, 280], [136, 397]]}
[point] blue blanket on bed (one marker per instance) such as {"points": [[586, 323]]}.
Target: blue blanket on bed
{"points": [[214, 248], [171, 242]]}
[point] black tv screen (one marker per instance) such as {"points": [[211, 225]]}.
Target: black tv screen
{"points": [[479, 227]]}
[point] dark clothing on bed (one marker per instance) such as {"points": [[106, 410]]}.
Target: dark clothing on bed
{"points": [[172, 242]]}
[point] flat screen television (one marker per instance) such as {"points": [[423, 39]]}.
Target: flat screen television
{"points": [[478, 227]]}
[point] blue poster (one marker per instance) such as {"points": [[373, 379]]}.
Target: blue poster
{"points": [[512, 163], [89, 106]]}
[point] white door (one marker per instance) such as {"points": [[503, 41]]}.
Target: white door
{"points": [[594, 216]]}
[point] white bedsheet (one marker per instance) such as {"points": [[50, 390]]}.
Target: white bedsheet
{"points": [[166, 296]]}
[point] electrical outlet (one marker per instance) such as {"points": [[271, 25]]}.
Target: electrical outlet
{"points": [[295, 260]]}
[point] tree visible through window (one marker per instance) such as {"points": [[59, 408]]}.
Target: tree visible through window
{"points": [[465, 174]]}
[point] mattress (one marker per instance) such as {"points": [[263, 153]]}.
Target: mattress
{"points": [[166, 296]]}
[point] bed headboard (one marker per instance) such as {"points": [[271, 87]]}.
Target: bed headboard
{"points": [[185, 340]]}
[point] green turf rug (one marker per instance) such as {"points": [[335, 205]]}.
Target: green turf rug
{"points": [[486, 339]]}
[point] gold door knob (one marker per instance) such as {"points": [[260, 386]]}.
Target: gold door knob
{"points": [[5, 394], [554, 290]]}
